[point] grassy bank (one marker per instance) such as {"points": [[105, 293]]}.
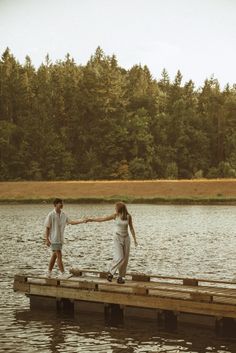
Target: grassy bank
{"points": [[147, 191]]}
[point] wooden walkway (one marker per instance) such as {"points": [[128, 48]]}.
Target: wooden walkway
{"points": [[179, 295]]}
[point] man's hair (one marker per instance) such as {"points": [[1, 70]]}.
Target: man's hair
{"points": [[56, 201]]}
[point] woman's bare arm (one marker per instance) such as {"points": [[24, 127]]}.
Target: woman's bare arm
{"points": [[101, 219], [131, 227]]}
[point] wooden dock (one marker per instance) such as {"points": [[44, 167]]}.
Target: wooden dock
{"points": [[157, 297]]}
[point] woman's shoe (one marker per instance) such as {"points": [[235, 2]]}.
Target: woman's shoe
{"points": [[120, 280], [109, 277]]}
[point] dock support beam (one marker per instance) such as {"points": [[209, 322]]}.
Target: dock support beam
{"points": [[81, 306], [65, 305], [51, 303], [41, 302], [225, 327], [114, 314], [167, 319]]}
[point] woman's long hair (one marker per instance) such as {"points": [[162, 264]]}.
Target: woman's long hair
{"points": [[122, 211]]}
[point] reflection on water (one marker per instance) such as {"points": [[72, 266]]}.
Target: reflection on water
{"points": [[176, 240], [89, 334]]}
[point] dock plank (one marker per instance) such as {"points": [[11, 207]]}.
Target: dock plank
{"points": [[147, 286]]}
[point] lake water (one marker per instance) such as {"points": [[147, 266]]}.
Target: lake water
{"points": [[197, 241]]}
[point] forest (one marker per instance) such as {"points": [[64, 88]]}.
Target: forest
{"points": [[64, 121]]}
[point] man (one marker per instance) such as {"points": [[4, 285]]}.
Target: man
{"points": [[55, 225]]}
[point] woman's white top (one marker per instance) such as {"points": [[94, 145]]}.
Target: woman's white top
{"points": [[121, 227]]}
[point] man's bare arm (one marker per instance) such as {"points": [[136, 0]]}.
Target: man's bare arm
{"points": [[47, 233], [73, 223]]}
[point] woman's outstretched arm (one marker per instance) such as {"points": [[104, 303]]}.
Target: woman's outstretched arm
{"points": [[131, 227], [101, 219]]}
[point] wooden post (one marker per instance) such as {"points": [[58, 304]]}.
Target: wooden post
{"points": [[113, 314], [190, 282], [225, 327], [167, 319], [140, 278], [65, 305], [21, 284]]}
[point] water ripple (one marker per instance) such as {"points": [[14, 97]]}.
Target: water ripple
{"points": [[194, 241]]}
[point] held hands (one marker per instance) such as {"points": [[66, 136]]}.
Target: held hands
{"points": [[48, 243], [83, 220]]}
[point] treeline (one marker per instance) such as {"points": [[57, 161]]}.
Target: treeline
{"points": [[100, 121]]}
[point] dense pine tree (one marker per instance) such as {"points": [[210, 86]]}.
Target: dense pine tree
{"points": [[100, 121]]}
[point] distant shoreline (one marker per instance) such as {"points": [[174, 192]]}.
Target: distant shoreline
{"points": [[206, 192], [154, 201]]}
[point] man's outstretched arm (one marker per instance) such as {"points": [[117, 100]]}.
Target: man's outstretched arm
{"points": [[73, 223]]}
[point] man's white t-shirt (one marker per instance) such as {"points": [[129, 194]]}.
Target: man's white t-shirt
{"points": [[56, 222]]}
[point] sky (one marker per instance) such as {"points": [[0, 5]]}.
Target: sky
{"points": [[198, 37]]}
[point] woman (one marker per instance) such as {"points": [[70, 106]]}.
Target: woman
{"points": [[123, 220]]}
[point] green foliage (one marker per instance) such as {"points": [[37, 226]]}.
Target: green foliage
{"points": [[100, 121], [172, 171]]}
